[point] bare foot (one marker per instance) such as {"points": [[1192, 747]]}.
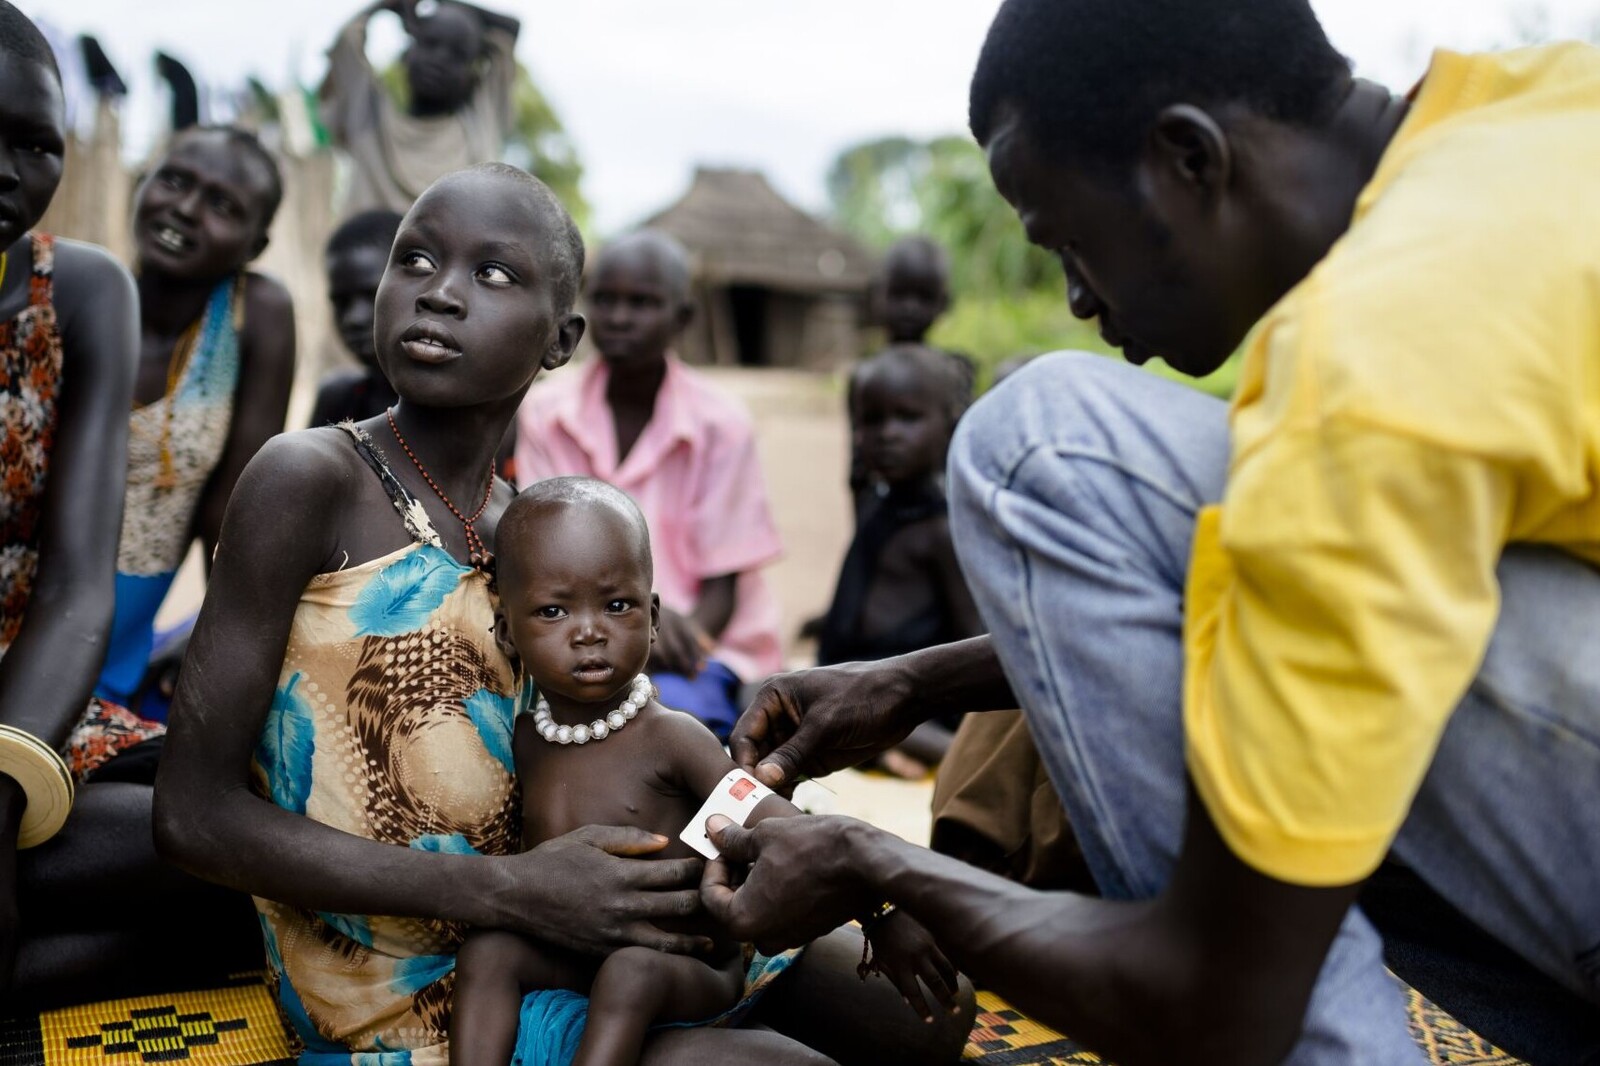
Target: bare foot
{"points": [[899, 764]]}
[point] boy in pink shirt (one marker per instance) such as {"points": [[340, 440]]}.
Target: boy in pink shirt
{"points": [[685, 451]]}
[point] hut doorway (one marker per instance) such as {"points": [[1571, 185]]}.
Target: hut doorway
{"points": [[749, 306]]}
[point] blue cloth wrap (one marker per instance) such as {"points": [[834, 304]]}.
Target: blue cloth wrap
{"points": [[133, 633], [552, 1021], [711, 696]]}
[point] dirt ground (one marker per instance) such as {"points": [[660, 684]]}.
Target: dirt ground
{"points": [[802, 435]]}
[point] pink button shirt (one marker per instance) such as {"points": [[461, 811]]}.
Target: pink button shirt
{"points": [[694, 473]]}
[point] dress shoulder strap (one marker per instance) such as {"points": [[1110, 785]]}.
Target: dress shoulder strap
{"points": [[410, 509]]}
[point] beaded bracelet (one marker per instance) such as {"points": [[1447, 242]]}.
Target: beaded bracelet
{"points": [[45, 782], [869, 925]]}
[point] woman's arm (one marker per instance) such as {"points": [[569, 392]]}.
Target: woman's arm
{"points": [[280, 530], [266, 375], [50, 670]]}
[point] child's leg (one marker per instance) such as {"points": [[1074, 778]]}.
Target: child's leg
{"points": [[494, 970], [637, 988]]}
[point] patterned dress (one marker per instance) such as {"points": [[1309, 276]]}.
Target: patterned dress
{"points": [[392, 720], [30, 379], [163, 494]]}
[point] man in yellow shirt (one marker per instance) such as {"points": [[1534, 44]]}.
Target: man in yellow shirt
{"points": [[1384, 641]]}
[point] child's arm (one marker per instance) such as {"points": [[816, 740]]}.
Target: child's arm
{"points": [[953, 589], [700, 764]]}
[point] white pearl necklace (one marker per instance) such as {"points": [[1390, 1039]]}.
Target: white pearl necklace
{"points": [[598, 729]]}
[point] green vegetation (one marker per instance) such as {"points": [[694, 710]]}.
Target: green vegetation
{"points": [[1009, 297]]}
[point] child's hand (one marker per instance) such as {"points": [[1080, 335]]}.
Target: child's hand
{"points": [[902, 950]]}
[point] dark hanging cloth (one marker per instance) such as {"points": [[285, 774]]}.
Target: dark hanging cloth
{"points": [[841, 639]]}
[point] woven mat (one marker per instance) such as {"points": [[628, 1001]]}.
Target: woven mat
{"points": [[1004, 1036], [233, 1026], [239, 1026]]}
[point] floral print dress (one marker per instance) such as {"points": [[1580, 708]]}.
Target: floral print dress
{"points": [[31, 368], [392, 720], [30, 380]]}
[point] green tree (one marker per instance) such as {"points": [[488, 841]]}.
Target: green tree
{"points": [[1009, 297]]}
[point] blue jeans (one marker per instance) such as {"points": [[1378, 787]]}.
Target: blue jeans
{"points": [[1073, 493]]}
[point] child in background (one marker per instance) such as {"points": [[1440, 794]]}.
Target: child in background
{"points": [[685, 451], [912, 289], [356, 256], [910, 293], [579, 617], [900, 588]]}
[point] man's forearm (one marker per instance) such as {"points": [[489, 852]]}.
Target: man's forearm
{"points": [[951, 678], [1221, 965]]}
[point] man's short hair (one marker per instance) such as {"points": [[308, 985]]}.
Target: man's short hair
{"points": [[365, 229], [21, 39], [1086, 78]]}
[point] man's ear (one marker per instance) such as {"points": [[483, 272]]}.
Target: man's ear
{"points": [[1188, 149], [684, 316], [655, 617], [568, 334], [259, 246]]}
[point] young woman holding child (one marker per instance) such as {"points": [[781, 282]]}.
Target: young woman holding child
{"points": [[341, 730]]}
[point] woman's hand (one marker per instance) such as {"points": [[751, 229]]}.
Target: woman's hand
{"points": [[814, 722], [589, 891]]}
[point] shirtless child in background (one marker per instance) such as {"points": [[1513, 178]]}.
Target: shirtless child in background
{"points": [[575, 573]]}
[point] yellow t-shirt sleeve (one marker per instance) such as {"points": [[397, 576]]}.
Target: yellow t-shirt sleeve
{"points": [[1348, 593]]}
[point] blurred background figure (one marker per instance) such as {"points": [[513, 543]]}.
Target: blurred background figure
{"points": [[458, 73]]}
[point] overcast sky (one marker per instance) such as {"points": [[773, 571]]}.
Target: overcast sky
{"points": [[649, 88]]}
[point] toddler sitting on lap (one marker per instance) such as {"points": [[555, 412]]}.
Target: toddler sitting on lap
{"points": [[578, 614]]}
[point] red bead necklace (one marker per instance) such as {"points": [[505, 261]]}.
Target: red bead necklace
{"points": [[477, 554]]}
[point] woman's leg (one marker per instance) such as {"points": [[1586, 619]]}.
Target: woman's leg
{"points": [[822, 1003], [102, 915]]}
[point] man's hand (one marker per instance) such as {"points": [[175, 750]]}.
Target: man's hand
{"points": [[904, 951], [808, 885], [589, 892], [817, 721], [681, 646]]}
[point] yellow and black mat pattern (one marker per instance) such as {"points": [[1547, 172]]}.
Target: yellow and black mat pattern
{"points": [[233, 1026], [1004, 1036], [239, 1026]]}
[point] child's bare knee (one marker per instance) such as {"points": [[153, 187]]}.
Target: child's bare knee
{"points": [[489, 951]]}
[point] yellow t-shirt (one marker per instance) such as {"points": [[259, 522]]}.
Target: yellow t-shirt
{"points": [[1429, 393]]}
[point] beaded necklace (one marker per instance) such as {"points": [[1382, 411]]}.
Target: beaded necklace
{"points": [[477, 554]]}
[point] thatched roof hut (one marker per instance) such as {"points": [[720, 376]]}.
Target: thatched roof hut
{"points": [[774, 286]]}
